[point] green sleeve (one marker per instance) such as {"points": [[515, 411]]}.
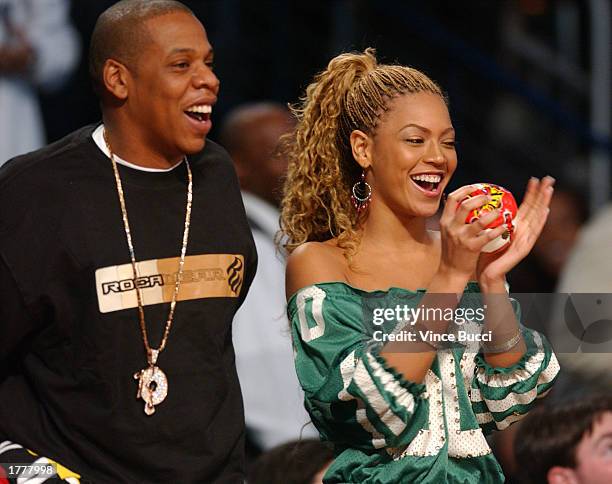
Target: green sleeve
{"points": [[351, 393], [502, 396]]}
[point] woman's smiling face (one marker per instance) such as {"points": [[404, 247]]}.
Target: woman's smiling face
{"points": [[412, 154]]}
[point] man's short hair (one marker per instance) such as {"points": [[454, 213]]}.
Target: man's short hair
{"points": [[550, 435], [230, 134], [120, 33]]}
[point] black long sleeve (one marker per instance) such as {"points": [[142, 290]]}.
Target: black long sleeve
{"points": [[69, 333], [15, 324]]}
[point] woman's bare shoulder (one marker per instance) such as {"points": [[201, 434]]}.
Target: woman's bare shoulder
{"points": [[313, 263]]}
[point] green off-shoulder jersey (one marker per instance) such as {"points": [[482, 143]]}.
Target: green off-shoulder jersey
{"points": [[386, 429]]}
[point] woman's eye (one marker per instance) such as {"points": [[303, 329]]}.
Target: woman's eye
{"points": [[449, 143], [210, 65], [182, 65], [414, 141]]}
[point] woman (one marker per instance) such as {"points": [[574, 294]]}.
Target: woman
{"points": [[369, 159]]}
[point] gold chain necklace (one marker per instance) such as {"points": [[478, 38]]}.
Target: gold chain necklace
{"points": [[152, 382]]}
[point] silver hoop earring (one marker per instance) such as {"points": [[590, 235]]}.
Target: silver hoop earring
{"points": [[362, 194]]}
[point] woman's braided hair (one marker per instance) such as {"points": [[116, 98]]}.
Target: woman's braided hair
{"points": [[352, 93]]}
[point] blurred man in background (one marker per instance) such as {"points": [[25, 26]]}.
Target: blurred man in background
{"points": [[272, 396], [38, 49], [251, 134], [567, 443]]}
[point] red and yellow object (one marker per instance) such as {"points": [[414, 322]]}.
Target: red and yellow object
{"points": [[503, 200]]}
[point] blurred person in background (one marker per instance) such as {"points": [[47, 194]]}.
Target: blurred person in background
{"points": [[567, 443], [588, 271], [251, 134], [589, 265], [38, 49], [297, 462], [541, 269], [273, 399]]}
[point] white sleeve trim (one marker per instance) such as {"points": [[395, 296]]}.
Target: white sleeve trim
{"points": [[375, 400]]}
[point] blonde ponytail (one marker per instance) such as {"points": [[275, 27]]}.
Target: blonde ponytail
{"points": [[350, 94]]}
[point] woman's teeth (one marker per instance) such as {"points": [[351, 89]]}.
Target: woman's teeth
{"points": [[427, 178], [427, 182]]}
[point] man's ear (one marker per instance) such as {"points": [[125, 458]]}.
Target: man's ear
{"points": [[561, 475], [361, 146], [115, 77]]}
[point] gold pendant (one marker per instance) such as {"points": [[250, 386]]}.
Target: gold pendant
{"points": [[152, 387]]}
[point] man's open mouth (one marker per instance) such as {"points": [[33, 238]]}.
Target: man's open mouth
{"points": [[200, 112]]}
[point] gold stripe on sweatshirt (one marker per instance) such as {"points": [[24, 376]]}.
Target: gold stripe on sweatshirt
{"points": [[208, 275]]}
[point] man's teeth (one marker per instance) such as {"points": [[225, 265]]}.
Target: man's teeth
{"points": [[202, 109], [427, 178]]}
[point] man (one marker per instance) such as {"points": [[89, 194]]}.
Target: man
{"points": [[273, 399], [99, 232], [570, 443], [251, 134]]}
